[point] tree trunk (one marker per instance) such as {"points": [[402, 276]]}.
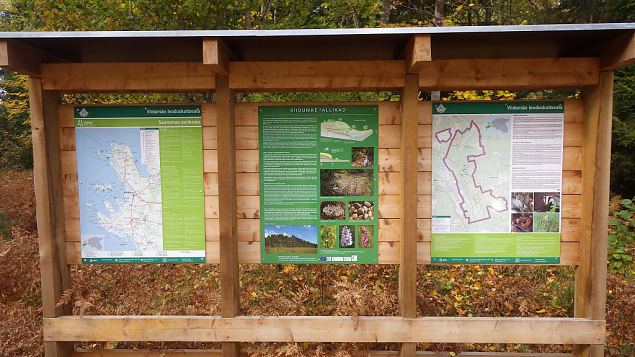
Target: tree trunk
{"points": [[438, 13], [385, 18], [489, 8]]}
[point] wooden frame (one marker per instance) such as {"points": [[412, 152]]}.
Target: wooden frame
{"points": [[231, 189]]}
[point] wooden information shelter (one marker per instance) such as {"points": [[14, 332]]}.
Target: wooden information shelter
{"points": [[409, 60]]}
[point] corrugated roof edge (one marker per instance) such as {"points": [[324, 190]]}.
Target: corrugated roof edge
{"points": [[320, 32]]}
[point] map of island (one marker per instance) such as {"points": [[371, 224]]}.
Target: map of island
{"points": [[138, 215], [140, 183]]}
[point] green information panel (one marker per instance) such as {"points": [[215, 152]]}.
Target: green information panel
{"points": [[318, 184], [140, 181], [496, 182]]}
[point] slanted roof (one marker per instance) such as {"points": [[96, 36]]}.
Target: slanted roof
{"points": [[528, 41]]}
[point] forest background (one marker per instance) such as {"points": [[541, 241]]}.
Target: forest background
{"points": [[302, 290]]}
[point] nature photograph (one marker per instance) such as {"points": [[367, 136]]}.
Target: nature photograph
{"points": [[522, 222], [365, 236], [361, 210], [363, 156], [328, 237], [291, 239], [347, 236], [522, 201], [332, 210], [546, 222], [351, 182], [547, 201]]}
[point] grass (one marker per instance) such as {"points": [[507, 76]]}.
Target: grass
{"points": [[546, 222]]}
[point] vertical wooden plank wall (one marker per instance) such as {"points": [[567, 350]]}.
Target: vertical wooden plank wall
{"points": [[229, 279], [49, 207], [590, 296]]}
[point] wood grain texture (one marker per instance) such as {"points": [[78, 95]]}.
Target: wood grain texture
{"points": [[619, 52], [325, 329], [418, 51], [321, 75], [408, 212], [590, 296], [47, 181], [127, 77], [462, 74], [216, 55], [227, 207], [20, 57]]}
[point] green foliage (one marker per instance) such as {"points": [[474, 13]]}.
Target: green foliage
{"points": [[298, 97], [15, 124], [622, 236], [623, 142], [546, 222], [480, 95], [328, 237], [125, 98], [72, 15], [5, 225], [92, 15]]}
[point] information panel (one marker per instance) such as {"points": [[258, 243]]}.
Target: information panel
{"points": [[496, 182], [318, 184], [140, 179]]}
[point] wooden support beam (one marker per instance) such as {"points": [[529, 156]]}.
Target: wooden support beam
{"points": [[47, 179], [590, 296], [128, 77], [228, 231], [418, 52], [508, 73], [618, 53], [348, 329], [21, 58], [216, 55], [408, 214], [322, 75]]}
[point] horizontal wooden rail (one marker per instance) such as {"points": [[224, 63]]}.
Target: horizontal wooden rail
{"points": [[325, 329], [128, 77], [316, 75], [217, 353], [323, 75], [521, 73]]}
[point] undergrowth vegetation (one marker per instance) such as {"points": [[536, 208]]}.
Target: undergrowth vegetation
{"points": [[364, 290], [622, 235]]}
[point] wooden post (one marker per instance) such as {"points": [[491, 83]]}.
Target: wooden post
{"points": [[49, 205], [590, 296], [229, 281], [408, 254]]}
